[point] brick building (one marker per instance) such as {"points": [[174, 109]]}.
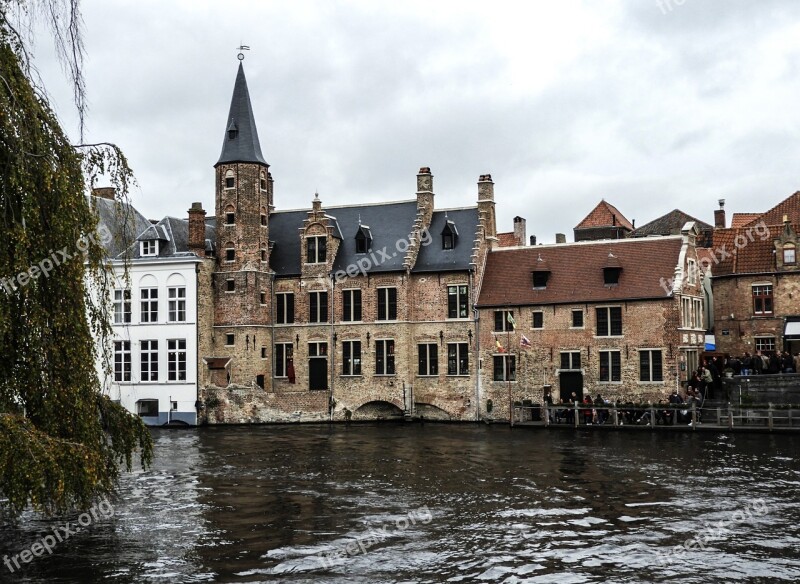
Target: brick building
{"points": [[329, 312], [616, 317], [756, 281], [603, 222]]}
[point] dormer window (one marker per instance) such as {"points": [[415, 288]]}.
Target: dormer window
{"points": [[789, 254], [230, 181], [540, 278], [449, 235], [233, 131], [611, 275], [612, 270], [363, 239], [149, 248]]}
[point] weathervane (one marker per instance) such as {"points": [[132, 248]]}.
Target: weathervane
{"points": [[241, 48]]}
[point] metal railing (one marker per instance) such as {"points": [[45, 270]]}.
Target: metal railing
{"points": [[768, 416]]}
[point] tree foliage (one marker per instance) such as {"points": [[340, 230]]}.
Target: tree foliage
{"points": [[62, 442]]}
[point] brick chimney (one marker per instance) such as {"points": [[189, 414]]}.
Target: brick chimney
{"points": [[109, 193], [719, 215], [519, 230], [533, 240], [197, 230], [561, 238]]}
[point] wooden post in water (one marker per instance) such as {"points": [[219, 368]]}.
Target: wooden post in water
{"points": [[694, 416], [615, 415], [575, 407], [652, 417], [771, 421], [730, 417]]}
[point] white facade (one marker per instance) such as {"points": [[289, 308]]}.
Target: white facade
{"points": [[152, 368]]}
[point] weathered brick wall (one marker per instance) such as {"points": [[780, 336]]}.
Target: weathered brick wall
{"points": [[734, 296]]}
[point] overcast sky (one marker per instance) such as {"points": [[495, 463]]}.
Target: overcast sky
{"points": [[652, 107]]}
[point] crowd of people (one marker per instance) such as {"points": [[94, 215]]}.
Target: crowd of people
{"points": [[703, 383]]}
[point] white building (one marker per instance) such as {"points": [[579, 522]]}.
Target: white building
{"points": [[152, 368]]}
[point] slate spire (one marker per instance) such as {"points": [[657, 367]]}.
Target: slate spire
{"points": [[240, 143]]}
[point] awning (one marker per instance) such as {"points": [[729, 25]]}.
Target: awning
{"points": [[792, 330], [711, 343]]}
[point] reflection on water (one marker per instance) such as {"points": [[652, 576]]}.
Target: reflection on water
{"points": [[434, 503]]}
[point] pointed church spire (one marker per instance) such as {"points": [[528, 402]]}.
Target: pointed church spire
{"points": [[241, 137]]}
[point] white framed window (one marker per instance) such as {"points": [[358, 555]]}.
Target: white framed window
{"points": [[505, 368], [316, 250], [384, 357], [317, 307], [610, 367], [762, 299], [789, 255], [650, 365], [571, 360], [351, 358], [149, 361], [284, 352], [457, 359], [149, 248], [387, 304], [351, 305], [609, 321], [122, 306], [458, 301], [502, 322], [176, 360], [147, 408], [149, 304], [230, 180], [765, 344], [122, 360], [428, 354], [177, 303], [284, 308]]}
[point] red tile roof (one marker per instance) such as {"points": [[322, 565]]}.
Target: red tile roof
{"points": [[604, 215], [576, 272], [740, 219], [747, 247], [790, 207]]}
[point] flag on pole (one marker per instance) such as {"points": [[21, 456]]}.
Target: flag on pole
{"points": [[499, 347], [524, 342], [511, 321]]}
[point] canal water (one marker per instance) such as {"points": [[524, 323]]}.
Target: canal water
{"points": [[439, 503]]}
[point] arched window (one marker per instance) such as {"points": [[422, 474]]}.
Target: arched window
{"points": [[263, 181], [230, 215], [230, 252], [263, 217], [230, 181]]}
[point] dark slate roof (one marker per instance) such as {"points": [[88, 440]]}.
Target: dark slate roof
{"points": [[389, 224], [176, 243], [122, 220], [245, 146], [669, 224], [576, 272], [432, 258]]}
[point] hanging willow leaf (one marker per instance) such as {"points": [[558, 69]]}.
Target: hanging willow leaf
{"points": [[62, 443]]}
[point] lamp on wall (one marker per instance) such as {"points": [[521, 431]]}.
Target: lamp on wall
{"points": [[335, 337], [469, 334], [297, 340], [368, 338], [441, 337]]}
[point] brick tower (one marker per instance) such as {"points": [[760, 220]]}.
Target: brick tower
{"points": [[242, 280]]}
